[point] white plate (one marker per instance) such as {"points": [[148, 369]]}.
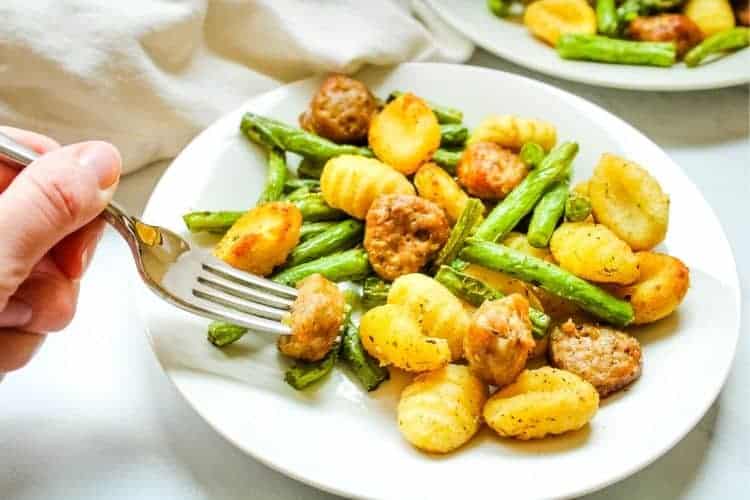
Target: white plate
{"points": [[509, 39], [341, 439]]}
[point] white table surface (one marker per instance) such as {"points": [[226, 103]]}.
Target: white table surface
{"points": [[93, 416]]}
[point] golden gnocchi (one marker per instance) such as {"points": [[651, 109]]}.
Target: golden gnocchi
{"points": [[629, 201], [662, 285], [441, 409], [351, 183], [541, 402], [549, 19], [437, 310], [593, 252], [513, 132], [392, 335], [405, 133], [711, 16], [435, 184]]}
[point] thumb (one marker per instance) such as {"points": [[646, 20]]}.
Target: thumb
{"points": [[57, 194]]}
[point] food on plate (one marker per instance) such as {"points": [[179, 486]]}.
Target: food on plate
{"points": [[629, 201], [437, 310], [340, 110], [577, 206], [662, 285], [512, 132], [351, 265], [352, 183], [548, 19], [441, 409], [221, 333], [611, 50], [476, 292], [444, 114], [711, 16], [366, 368], [521, 201], [405, 133], [315, 319], [532, 154], [643, 32], [489, 171], [262, 238], [470, 217], [676, 28], [551, 278], [433, 287], [718, 44], [606, 358], [273, 133], [547, 213], [394, 336], [593, 252], [499, 340], [342, 236], [435, 184], [541, 402], [402, 233]]}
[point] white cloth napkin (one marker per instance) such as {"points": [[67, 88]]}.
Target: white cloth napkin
{"points": [[148, 75]]}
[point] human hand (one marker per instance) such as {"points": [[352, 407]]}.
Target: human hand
{"points": [[48, 231]]}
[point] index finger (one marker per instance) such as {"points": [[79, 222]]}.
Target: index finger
{"points": [[38, 142]]}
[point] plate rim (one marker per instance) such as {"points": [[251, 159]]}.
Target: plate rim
{"points": [[458, 25], [272, 95]]}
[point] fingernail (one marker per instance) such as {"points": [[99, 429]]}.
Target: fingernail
{"points": [[103, 159], [16, 313]]}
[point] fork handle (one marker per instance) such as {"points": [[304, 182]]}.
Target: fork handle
{"points": [[18, 156]]}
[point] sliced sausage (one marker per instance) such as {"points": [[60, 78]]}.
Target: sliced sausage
{"points": [[402, 233], [340, 110], [676, 28], [315, 318], [499, 339], [607, 358], [489, 171]]}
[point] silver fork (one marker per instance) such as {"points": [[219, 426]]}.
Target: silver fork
{"points": [[191, 279]]}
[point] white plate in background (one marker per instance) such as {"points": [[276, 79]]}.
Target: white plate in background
{"points": [[508, 38]]}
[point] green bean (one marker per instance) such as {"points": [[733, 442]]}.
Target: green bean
{"points": [[507, 214], [364, 367], [453, 134], [221, 333], [310, 229], [374, 292], [351, 265], [500, 8], [606, 18], [476, 292], [447, 159], [630, 9], [470, 217], [270, 132], [310, 169], [577, 207], [532, 154], [442, 113], [315, 209], [211, 222], [603, 49], [294, 184], [342, 236], [720, 43], [551, 278], [547, 214], [305, 373], [276, 177], [297, 194]]}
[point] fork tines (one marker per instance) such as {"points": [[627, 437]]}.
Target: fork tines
{"points": [[262, 304]]}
